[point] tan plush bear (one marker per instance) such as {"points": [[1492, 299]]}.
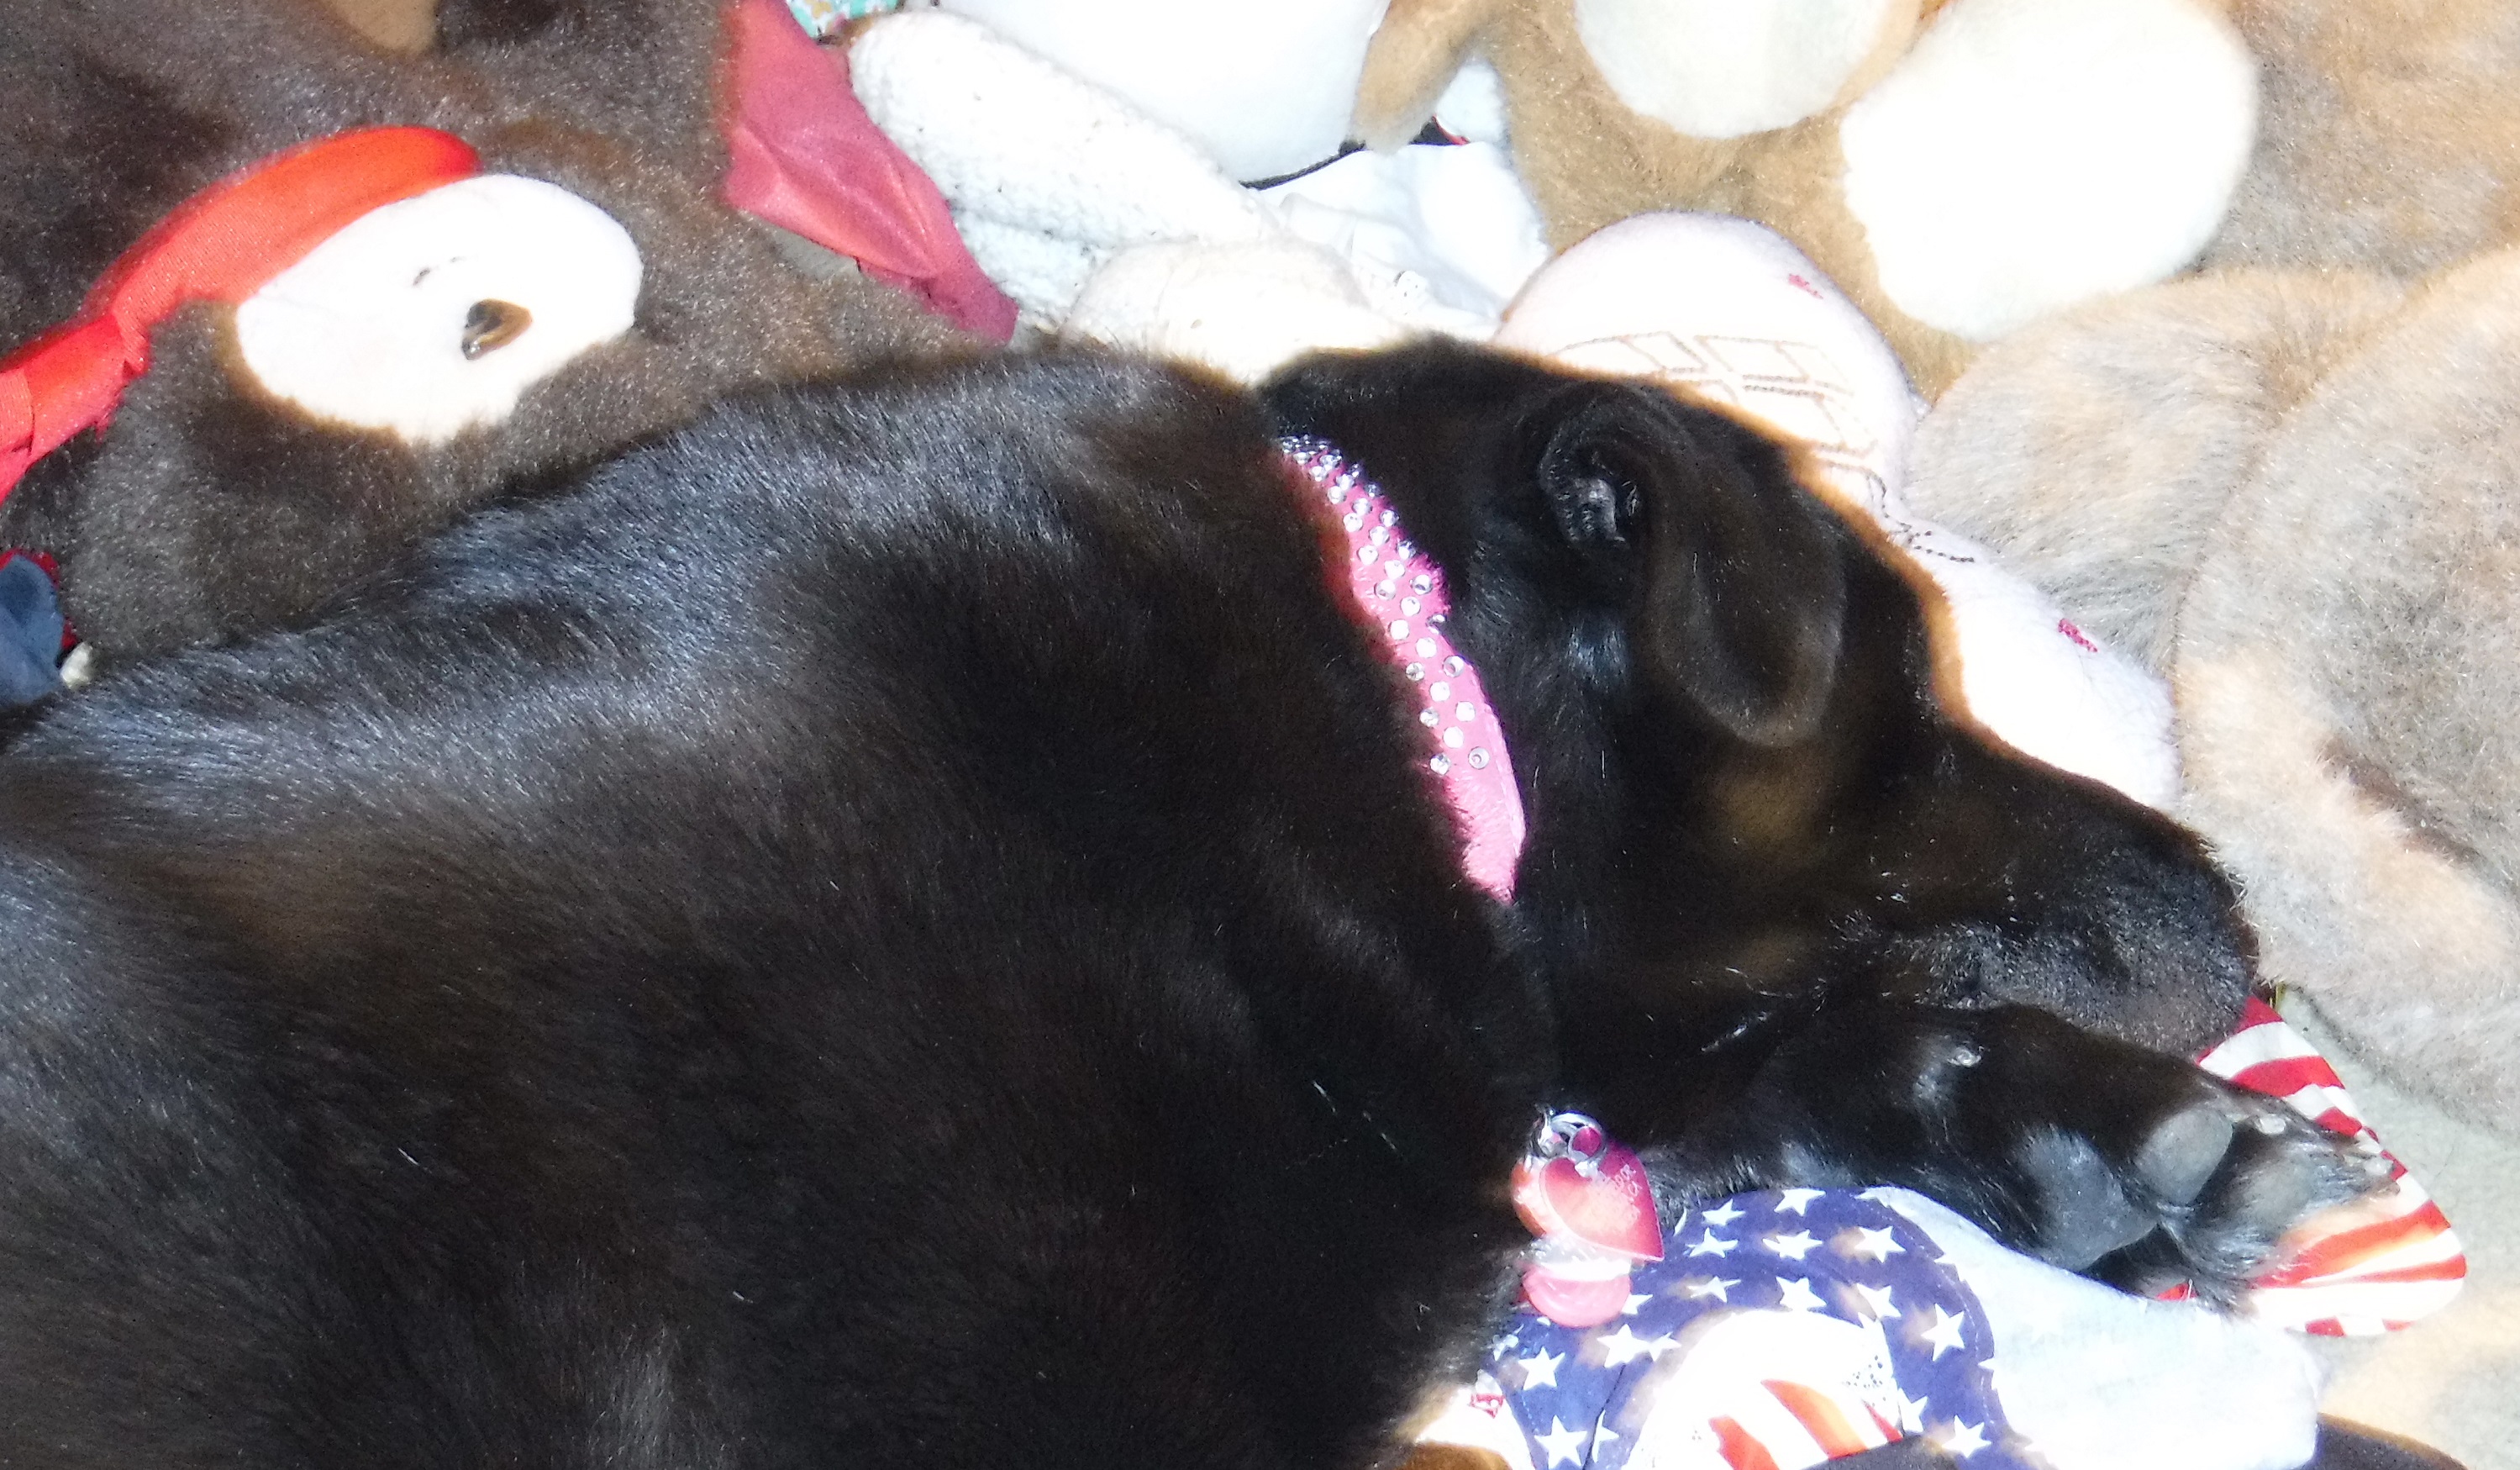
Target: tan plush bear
{"points": [[2294, 493], [2290, 485], [2389, 137], [1960, 166]]}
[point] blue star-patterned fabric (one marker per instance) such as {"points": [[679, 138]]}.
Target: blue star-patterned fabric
{"points": [[1779, 1329]]}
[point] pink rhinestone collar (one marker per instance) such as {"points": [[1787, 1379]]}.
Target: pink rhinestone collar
{"points": [[1401, 593]]}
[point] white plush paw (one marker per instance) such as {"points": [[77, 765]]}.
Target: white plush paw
{"points": [[1262, 89], [1244, 311], [1011, 137], [2030, 153]]}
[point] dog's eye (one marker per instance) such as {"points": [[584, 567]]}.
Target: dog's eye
{"points": [[1590, 510]]}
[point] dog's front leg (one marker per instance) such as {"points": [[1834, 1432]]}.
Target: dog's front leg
{"points": [[2092, 1153]]}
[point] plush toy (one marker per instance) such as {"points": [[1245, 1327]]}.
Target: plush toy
{"points": [[275, 298], [1960, 168], [2388, 138], [1783, 1328], [1786, 1328], [2288, 485], [2293, 493], [1264, 90], [1724, 1352], [1114, 211]]}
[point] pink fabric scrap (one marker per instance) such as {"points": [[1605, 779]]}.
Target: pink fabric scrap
{"points": [[804, 155]]}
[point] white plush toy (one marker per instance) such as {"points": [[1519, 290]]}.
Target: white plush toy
{"points": [[434, 315], [1113, 211], [1264, 90], [1104, 222], [1729, 311]]}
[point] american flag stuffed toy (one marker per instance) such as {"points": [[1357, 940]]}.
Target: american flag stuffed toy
{"points": [[1780, 1328], [1785, 1328]]}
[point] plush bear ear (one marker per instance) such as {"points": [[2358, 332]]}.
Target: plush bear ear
{"points": [[1734, 575]]}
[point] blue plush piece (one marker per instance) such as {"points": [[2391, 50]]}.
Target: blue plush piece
{"points": [[30, 633]]}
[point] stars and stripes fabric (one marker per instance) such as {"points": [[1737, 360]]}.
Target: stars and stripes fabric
{"points": [[1781, 1329], [2366, 1270]]}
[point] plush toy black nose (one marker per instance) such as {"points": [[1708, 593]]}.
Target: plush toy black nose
{"points": [[492, 325]]}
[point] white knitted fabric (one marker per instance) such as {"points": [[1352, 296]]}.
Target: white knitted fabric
{"points": [[1103, 223], [1021, 148]]}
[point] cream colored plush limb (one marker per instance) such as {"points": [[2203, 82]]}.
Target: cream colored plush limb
{"points": [[2099, 448], [1244, 311], [1719, 69], [1107, 223], [1048, 175], [2347, 684], [1415, 52], [2389, 137], [1262, 89]]}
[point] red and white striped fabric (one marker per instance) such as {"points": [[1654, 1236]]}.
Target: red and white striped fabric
{"points": [[1798, 1424], [2373, 1268]]}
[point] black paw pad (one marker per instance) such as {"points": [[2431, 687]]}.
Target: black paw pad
{"points": [[2085, 1213], [2178, 1159]]}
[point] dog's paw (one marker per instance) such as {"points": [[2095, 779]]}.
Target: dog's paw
{"points": [[2102, 1157]]}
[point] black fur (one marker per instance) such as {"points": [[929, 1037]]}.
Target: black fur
{"points": [[905, 926], [1803, 921]]}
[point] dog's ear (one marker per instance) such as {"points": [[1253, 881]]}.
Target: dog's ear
{"points": [[1734, 575]]}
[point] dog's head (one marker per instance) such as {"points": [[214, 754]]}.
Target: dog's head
{"points": [[1739, 770]]}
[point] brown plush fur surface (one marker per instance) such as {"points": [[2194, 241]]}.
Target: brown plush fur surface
{"points": [[2033, 451], [2388, 135], [209, 510], [2346, 680]]}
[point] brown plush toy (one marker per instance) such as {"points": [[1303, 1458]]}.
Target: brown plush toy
{"points": [[2389, 138], [2298, 494], [1959, 168], [575, 285], [2290, 485]]}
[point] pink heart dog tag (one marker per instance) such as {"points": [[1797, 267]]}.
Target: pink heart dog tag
{"points": [[1610, 1207], [1598, 1198], [1590, 1204]]}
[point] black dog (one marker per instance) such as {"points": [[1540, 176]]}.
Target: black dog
{"points": [[904, 925], [1764, 850]]}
